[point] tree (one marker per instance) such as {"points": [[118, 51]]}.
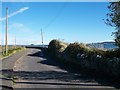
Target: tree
{"points": [[113, 19]]}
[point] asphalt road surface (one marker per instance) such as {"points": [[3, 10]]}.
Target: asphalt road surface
{"points": [[6, 72], [31, 69]]}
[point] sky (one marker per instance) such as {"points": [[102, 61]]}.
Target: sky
{"points": [[67, 21]]}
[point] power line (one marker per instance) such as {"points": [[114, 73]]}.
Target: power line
{"points": [[52, 20], [56, 16]]}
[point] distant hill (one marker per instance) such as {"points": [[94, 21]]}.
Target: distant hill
{"points": [[103, 45]]}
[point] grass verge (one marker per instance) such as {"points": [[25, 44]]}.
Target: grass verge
{"points": [[11, 51]]}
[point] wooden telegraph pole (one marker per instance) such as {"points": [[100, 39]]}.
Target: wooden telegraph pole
{"points": [[42, 38], [6, 36], [15, 41]]}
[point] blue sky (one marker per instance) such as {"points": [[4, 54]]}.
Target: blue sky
{"points": [[70, 22]]}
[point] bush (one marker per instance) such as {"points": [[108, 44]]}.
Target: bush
{"points": [[112, 53], [86, 57], [55, 47]]}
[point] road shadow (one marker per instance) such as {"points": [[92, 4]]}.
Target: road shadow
{"points": [[71, 74], [7, 73], [45, 75], [85, 75], [37, 54], [5, 87], [63, 78], [66, 77]]}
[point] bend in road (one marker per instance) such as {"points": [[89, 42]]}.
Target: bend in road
{"points": [[34, 70]]}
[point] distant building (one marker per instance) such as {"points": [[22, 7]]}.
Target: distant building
{"points": [[103, 45]]}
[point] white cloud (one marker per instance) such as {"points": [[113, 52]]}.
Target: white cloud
{"points": [[15, 13], [19, 27], [21, 32]]}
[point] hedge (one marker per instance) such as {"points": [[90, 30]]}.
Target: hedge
{"points": [[105, 61]]}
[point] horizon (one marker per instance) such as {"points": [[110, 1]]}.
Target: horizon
{"points": [[62, 41]]}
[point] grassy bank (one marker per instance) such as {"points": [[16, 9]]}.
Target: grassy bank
{"points": [[99, 61], [11, 50]]}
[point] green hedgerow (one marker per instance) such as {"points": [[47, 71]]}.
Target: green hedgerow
{"points": [[106, 61]]}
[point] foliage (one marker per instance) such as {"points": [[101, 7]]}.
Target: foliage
{"points": [[56, 46], [114, 19], [106, 61]]}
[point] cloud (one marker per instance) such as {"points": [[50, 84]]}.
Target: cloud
{"points": [[15, 13], [22, 33], [19, 27]]}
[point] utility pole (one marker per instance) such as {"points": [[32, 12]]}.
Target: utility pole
{"points": [[42, 38], [1, 47], [6, 36], [15, 41]]}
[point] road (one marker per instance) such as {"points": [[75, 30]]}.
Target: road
{"points": [[31, 69], [6, 72]]}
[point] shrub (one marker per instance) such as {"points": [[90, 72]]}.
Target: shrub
{"points": [[86, 57], [55, 47], [112, 53]]}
